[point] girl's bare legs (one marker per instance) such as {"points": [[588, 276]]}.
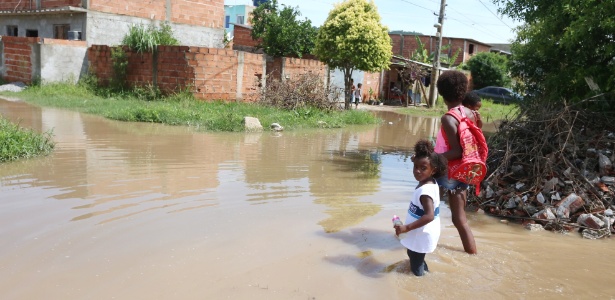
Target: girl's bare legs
{"points": [[457, 202]]}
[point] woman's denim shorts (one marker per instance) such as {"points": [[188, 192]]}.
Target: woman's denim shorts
{"points": [[451, 184]]}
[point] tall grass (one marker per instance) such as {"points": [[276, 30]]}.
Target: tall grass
{"points": [[489, 111], [142, 38], [183, 109], [17, 143]]}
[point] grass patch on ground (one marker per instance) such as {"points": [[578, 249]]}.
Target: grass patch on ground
{"points": [[184, 109], [17, 143], [489, 111]]}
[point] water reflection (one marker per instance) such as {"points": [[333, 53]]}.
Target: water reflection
{"points": [[123, 169], [143, 209]]}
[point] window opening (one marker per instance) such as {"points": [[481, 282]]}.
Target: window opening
{"points": [[31, 33], [60, 31], [11, 30]]}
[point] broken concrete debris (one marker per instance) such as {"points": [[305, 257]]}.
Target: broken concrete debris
{"points": [[552, 168]]}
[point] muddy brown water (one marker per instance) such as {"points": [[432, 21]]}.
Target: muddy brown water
{"points": [[146, 211]]}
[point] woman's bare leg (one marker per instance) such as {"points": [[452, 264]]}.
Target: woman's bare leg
{"points": [[457, 202]]}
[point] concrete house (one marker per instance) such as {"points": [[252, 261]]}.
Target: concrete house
{"points": [[195, 22], [236, 15]]}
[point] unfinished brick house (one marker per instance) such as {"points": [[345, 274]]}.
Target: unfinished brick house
{"points": [[405, 44], [105, 22]]}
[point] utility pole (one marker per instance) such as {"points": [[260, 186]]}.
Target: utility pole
{"points": [[436, 63]]}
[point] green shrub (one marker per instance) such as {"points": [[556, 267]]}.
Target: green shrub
{"points": [[142, 38], [120, 67], [489, 69], [17, 143]]}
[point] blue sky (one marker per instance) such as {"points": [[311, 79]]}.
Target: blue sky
{"points": [[474, 19]]}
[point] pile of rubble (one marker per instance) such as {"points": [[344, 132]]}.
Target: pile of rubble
{"points": [[552, 168]]}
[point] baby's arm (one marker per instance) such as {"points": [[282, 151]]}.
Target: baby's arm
{"points": [[427, 203], [479, 122]]}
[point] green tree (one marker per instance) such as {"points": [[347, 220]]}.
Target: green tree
{"points": [[280, 31], [564, 48], [352, 38], [489, 69]]}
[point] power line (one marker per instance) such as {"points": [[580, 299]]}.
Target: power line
{"points": [[431, 10], [496, 16], [485, 32], [471, 20]]}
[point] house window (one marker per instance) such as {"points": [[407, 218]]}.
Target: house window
{"points": [[11, 30], [471, 49], [227, 21], [240, 19], [31, 33], [60, 31]]}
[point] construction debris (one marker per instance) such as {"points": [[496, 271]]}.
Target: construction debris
{"points": [[553, 167]]}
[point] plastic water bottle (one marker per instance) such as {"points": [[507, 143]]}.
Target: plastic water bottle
{"points": [[397, 221]]}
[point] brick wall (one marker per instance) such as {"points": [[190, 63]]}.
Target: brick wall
{"points": [[208, 13], [174, 69], [145, 9], [27, 4], [289, 67], [274, 67], [100, 64], [59, 3], [215, 74], [294, 67], [252, 76], [16, 4], [211, 73], [242, 36], [407, 44], [458, 44], [18, 58], [371, 80], [49, 41]]}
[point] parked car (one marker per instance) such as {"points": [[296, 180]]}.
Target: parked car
{"points": [[499, 94]]}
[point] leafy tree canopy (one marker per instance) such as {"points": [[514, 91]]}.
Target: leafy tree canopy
{"points": [[352, 38], [280, 31], [489, 69], [563, 46]]}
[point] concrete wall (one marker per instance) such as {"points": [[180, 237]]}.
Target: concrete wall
{"points": [[27, 59], [43, 23], [99, 24], [63, 60]]}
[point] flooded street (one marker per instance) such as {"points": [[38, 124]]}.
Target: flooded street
{"points": [[147, 211]]}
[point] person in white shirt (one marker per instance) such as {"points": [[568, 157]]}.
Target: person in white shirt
{"points": [[357, 95], [422, 226]]}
